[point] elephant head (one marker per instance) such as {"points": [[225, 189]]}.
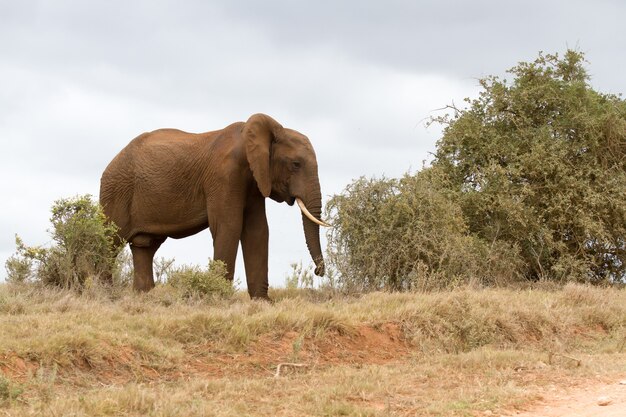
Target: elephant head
{"points": [[284, 167]]}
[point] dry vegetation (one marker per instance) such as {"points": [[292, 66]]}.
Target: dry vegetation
{"points": [[442, 353]]}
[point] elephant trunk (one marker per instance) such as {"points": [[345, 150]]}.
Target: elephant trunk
{"points": [[313, 203]]}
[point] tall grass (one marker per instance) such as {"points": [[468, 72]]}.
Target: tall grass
{"points": [[72, 328]]}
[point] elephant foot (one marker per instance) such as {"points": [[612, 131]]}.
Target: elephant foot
{"points": [[144, 286], [262, 298]]}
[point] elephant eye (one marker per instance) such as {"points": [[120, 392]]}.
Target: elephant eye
{"points": [[296, 165]]}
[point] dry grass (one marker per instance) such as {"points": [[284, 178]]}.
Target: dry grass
{"points": [[446, 353]]}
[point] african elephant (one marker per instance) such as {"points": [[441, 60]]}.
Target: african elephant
{"points": [[170, 183]]}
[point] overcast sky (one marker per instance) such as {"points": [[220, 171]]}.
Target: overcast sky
{"points": [[79, 79]]}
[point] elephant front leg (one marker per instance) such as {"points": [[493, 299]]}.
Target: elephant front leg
{"points": [[226, 242], [254, 243]]}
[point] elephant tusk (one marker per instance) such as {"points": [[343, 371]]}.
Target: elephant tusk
{"points": [[309, 215]]}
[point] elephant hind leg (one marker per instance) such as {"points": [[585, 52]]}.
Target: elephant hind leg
{"points": [[143, 248]]}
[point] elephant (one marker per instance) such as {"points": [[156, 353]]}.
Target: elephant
{"points": [[172, 184]]}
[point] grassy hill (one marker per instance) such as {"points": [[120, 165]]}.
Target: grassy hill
{"points": [[444, 353]]}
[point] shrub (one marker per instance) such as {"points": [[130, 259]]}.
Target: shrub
{"points": [[19, 267], [193, 280], [83, 248], [540, 164], [409, 234], [528, 182]]}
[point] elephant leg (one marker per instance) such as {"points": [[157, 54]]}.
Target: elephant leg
{"points": [[226, 241], [143, 248], [254, 243]]}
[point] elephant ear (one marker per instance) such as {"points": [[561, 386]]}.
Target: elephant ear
{"points": [[258, 133]]}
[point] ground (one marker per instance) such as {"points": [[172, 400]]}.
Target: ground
{"points": [[458, 353], [595, 399]]}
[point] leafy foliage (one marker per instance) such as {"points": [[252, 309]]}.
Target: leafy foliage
{"points": [[541, 164], [409, 234], [528, 181], [83, 248], [19, 266]]}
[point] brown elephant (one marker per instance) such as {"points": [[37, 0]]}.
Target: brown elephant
{"points": [[170, 183]]}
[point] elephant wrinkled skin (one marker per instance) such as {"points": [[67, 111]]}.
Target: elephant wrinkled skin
{"points": [[170, 183]]}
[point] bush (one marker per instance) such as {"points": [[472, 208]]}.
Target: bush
{"points": [[540, 164], [194, 281], [528, 182], [19, 266], [83, 248], [409, 234]]}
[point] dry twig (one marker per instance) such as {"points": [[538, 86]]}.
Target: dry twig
{"points": [[293, 365]]}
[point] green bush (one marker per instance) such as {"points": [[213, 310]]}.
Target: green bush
{"points": [[540, 163], [194, 281], [19, 266], [409, 234], [83, 248], [528, 182]]}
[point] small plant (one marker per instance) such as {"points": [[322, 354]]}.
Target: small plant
{"points": [[297, 347], [299, 277], [163, 268], [83, 247], [193, 280], [8, 390]]}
